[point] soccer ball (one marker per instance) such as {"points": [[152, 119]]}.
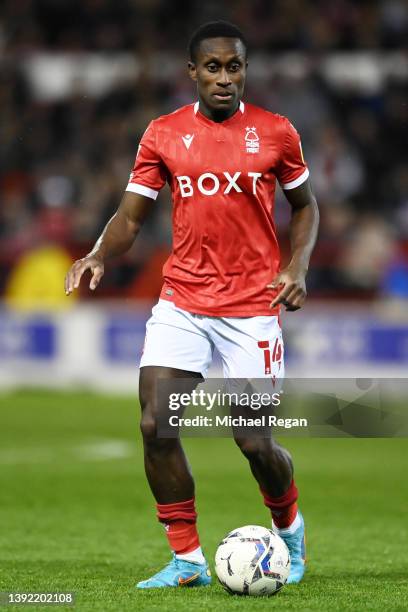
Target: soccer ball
{"points": [[252, 560]]}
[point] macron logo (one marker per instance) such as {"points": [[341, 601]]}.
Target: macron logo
{"points": [[188, 139]]}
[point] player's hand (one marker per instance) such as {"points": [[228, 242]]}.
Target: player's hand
{"points": [[90, 262], [292, 285]]}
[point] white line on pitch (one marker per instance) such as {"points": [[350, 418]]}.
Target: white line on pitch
{"points": [[94, 450]]}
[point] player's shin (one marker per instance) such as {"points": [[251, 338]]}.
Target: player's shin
{"points": [[289, 524], [284, 508], [180, 522]]}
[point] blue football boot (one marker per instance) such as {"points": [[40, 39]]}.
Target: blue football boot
{"points": [[178, 573], [297, 550]]}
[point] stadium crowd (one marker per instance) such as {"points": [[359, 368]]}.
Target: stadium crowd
{"points": [[65, 159]]}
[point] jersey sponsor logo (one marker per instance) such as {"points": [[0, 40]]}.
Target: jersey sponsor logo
{"points": [[251, 140], [209, 184], [188, 139]]}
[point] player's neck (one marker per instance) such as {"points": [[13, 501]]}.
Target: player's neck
{"points": [[217, 115]]}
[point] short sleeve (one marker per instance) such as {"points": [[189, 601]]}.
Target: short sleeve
{"points": [[292, 170], [149, 174]]}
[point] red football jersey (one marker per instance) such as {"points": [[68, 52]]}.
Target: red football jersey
{"points": [[222, 178]]}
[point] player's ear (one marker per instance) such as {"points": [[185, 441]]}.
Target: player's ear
{"points": [[192, 70]]}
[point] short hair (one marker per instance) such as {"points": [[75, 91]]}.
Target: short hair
{"points": [[214, 29]]}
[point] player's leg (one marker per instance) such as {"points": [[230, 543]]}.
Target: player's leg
{"points": [[253, 348], [172, 338], [270, 463], [271, 466], [166, 466]]}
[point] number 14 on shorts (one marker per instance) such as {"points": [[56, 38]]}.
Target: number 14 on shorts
{"points": [[276, 353]]}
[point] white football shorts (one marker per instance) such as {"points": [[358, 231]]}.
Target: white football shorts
{"points": [[250, 347]]}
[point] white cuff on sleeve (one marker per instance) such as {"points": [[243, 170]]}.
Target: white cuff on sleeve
{"points": [[300, 179], [142, 190]]}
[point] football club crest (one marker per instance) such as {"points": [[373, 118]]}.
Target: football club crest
{"points": [[251, 140]]}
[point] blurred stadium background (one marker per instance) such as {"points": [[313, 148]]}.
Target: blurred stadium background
{"points": [[80, 80]]}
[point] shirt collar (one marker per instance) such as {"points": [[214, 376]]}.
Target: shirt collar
{"points": [[237, 115]]}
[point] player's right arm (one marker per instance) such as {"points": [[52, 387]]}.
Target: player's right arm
{"points": [[117, 237], [146, 179]]}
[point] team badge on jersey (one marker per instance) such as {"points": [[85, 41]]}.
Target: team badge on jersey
{"points": [[251, 140]]}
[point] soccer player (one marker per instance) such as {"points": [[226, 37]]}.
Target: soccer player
{"points": [[222, 286]]}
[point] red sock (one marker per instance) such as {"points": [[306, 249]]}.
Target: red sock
{"points": [[180, 523], [283, 508]]}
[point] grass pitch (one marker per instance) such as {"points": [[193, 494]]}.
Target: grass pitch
{"points": [[76, 513]]}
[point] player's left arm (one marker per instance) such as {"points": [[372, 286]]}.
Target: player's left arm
{"points": [[303, 233]]}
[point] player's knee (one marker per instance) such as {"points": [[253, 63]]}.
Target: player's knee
{"points": [[148, 427], [250, 447], [155, 446], [255, 447]]}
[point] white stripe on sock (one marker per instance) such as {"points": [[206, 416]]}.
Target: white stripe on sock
{"points": [[288, 530], [194, 556]]}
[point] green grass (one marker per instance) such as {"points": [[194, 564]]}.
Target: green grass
{"points": [[76, 513]]}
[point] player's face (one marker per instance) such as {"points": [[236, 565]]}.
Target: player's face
{"points": [[219, 70]]}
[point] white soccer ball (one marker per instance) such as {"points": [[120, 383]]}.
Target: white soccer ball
{"points": [[252, 560]]}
